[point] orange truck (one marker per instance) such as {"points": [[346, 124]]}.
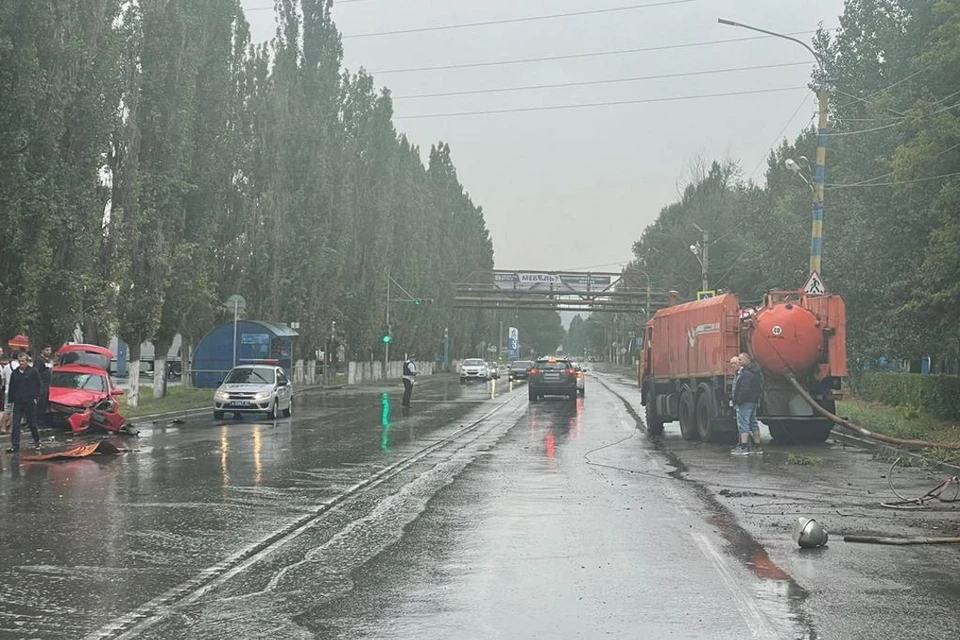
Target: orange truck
{"points": [[684, 372]]}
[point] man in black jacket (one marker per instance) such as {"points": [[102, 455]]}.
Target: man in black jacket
{"points": [[43, 367], [746, 399], [25, 388]]}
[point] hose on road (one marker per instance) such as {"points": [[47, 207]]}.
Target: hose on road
{"points": [[900, 541], [846, 424]]}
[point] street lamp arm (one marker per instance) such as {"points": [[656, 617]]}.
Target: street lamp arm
{"points": [[803, 44]]}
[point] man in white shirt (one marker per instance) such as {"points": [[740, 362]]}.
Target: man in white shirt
{"points": [[409, 373], [6, 418]]}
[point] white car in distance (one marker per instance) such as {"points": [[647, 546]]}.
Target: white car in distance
{"points": [[473, 369]]}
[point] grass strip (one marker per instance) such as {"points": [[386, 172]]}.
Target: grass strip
{"points": [[178, 399], [904, 422]]}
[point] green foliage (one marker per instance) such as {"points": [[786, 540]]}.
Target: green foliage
{"points": [[155, 162], [937, 394], [891, 231]]}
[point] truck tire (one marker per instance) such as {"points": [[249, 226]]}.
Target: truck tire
{"points": [[688, 415], [654, 421], [706, 415], [805, 431], [531, 395]]}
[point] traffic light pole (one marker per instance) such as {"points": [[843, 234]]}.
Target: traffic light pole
{"points": [[386, 344]]}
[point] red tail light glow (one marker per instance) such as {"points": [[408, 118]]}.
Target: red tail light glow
{"points": [[534, 371]]}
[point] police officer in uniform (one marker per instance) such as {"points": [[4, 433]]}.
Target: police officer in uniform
{"points": [[409, 373]]}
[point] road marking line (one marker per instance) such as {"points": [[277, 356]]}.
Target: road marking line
{"points": [[749, 610]]}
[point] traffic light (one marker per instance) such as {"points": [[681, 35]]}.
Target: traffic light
{"points": [[386, 338], [419, 302]]}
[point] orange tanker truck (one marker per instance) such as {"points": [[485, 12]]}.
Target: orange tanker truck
{"points": [[684, 373]]}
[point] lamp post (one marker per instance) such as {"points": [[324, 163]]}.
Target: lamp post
{"points": [[819, 172]]}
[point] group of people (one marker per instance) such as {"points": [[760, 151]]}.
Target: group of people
{"points": [[26, 386]]}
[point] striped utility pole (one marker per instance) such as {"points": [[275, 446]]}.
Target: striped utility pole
{"points": [[819, 172], [819, 176]]}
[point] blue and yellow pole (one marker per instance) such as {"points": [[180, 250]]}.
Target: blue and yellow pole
{"points": [[819, 175], [816, 236]]}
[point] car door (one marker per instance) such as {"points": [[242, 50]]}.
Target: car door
{"points": [[285, 389]]}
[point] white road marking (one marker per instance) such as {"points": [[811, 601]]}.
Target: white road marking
{"points": [[759, 626]]}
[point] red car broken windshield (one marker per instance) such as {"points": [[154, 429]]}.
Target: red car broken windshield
{"points": [[85, 381]]}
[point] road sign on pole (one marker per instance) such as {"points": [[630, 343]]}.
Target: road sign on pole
{"points": [[237, 304], [814, 285]]}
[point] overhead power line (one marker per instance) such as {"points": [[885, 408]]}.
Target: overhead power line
{"points": [[336, 2], [595, 104], [574, 56], [897, 123], [552, 16], [893, 183], [779, 137], [887, 88], [586, 83]]}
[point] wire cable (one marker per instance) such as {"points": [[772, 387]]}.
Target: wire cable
{"points": [[593, 104], [573, 56], [586, 83], [487, 23], [893, 183], [887, 88], [776, 141]]}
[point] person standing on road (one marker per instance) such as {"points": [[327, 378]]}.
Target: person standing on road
{"points": [[409, 373], [25, 386], [43, 366], [746, 399], [5, 373], [4, 416]]}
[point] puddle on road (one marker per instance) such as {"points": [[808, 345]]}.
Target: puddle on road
{"points": [[780, 597], [775, 587]]}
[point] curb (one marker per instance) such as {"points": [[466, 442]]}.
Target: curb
{"points": [[198, 410], [871, 445]]}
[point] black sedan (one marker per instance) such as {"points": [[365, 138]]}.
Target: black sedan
{"points": [[552, 377], [519, 370]]}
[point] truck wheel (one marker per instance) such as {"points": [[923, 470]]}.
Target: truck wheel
{"points": [[778, 433], [688, 415], [705, 413], [803, 432], [531, 395], [652, 419]]}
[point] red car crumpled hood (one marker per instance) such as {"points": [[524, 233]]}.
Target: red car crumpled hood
{"points": [[75, 397]]}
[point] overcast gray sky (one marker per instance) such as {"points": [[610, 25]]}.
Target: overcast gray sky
{"points": [[573, 188]]}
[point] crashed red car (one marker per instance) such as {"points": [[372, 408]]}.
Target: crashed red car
{"points": [[81, 392]]}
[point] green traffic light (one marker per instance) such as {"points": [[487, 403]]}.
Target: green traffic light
{"points": [[417, 302], [386, 339]]}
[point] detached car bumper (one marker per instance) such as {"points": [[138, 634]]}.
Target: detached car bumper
{"points": [[77, 419]]}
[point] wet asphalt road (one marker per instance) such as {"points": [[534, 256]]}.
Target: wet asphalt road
{"points": [[470, 516]]}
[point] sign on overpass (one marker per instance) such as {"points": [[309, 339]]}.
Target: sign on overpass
{"points": [[626, 292], [533, 281]]}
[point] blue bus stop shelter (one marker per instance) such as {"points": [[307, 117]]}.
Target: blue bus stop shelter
{"points": [[257, 342]]}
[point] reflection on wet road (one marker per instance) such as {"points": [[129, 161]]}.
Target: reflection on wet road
{"points": [[473, 515]]}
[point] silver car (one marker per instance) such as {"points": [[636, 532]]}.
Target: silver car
{"points": [[254, 388], [473, 369]]}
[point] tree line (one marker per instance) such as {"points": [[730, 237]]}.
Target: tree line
{"points": [[156, 160], [891, 239]]}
